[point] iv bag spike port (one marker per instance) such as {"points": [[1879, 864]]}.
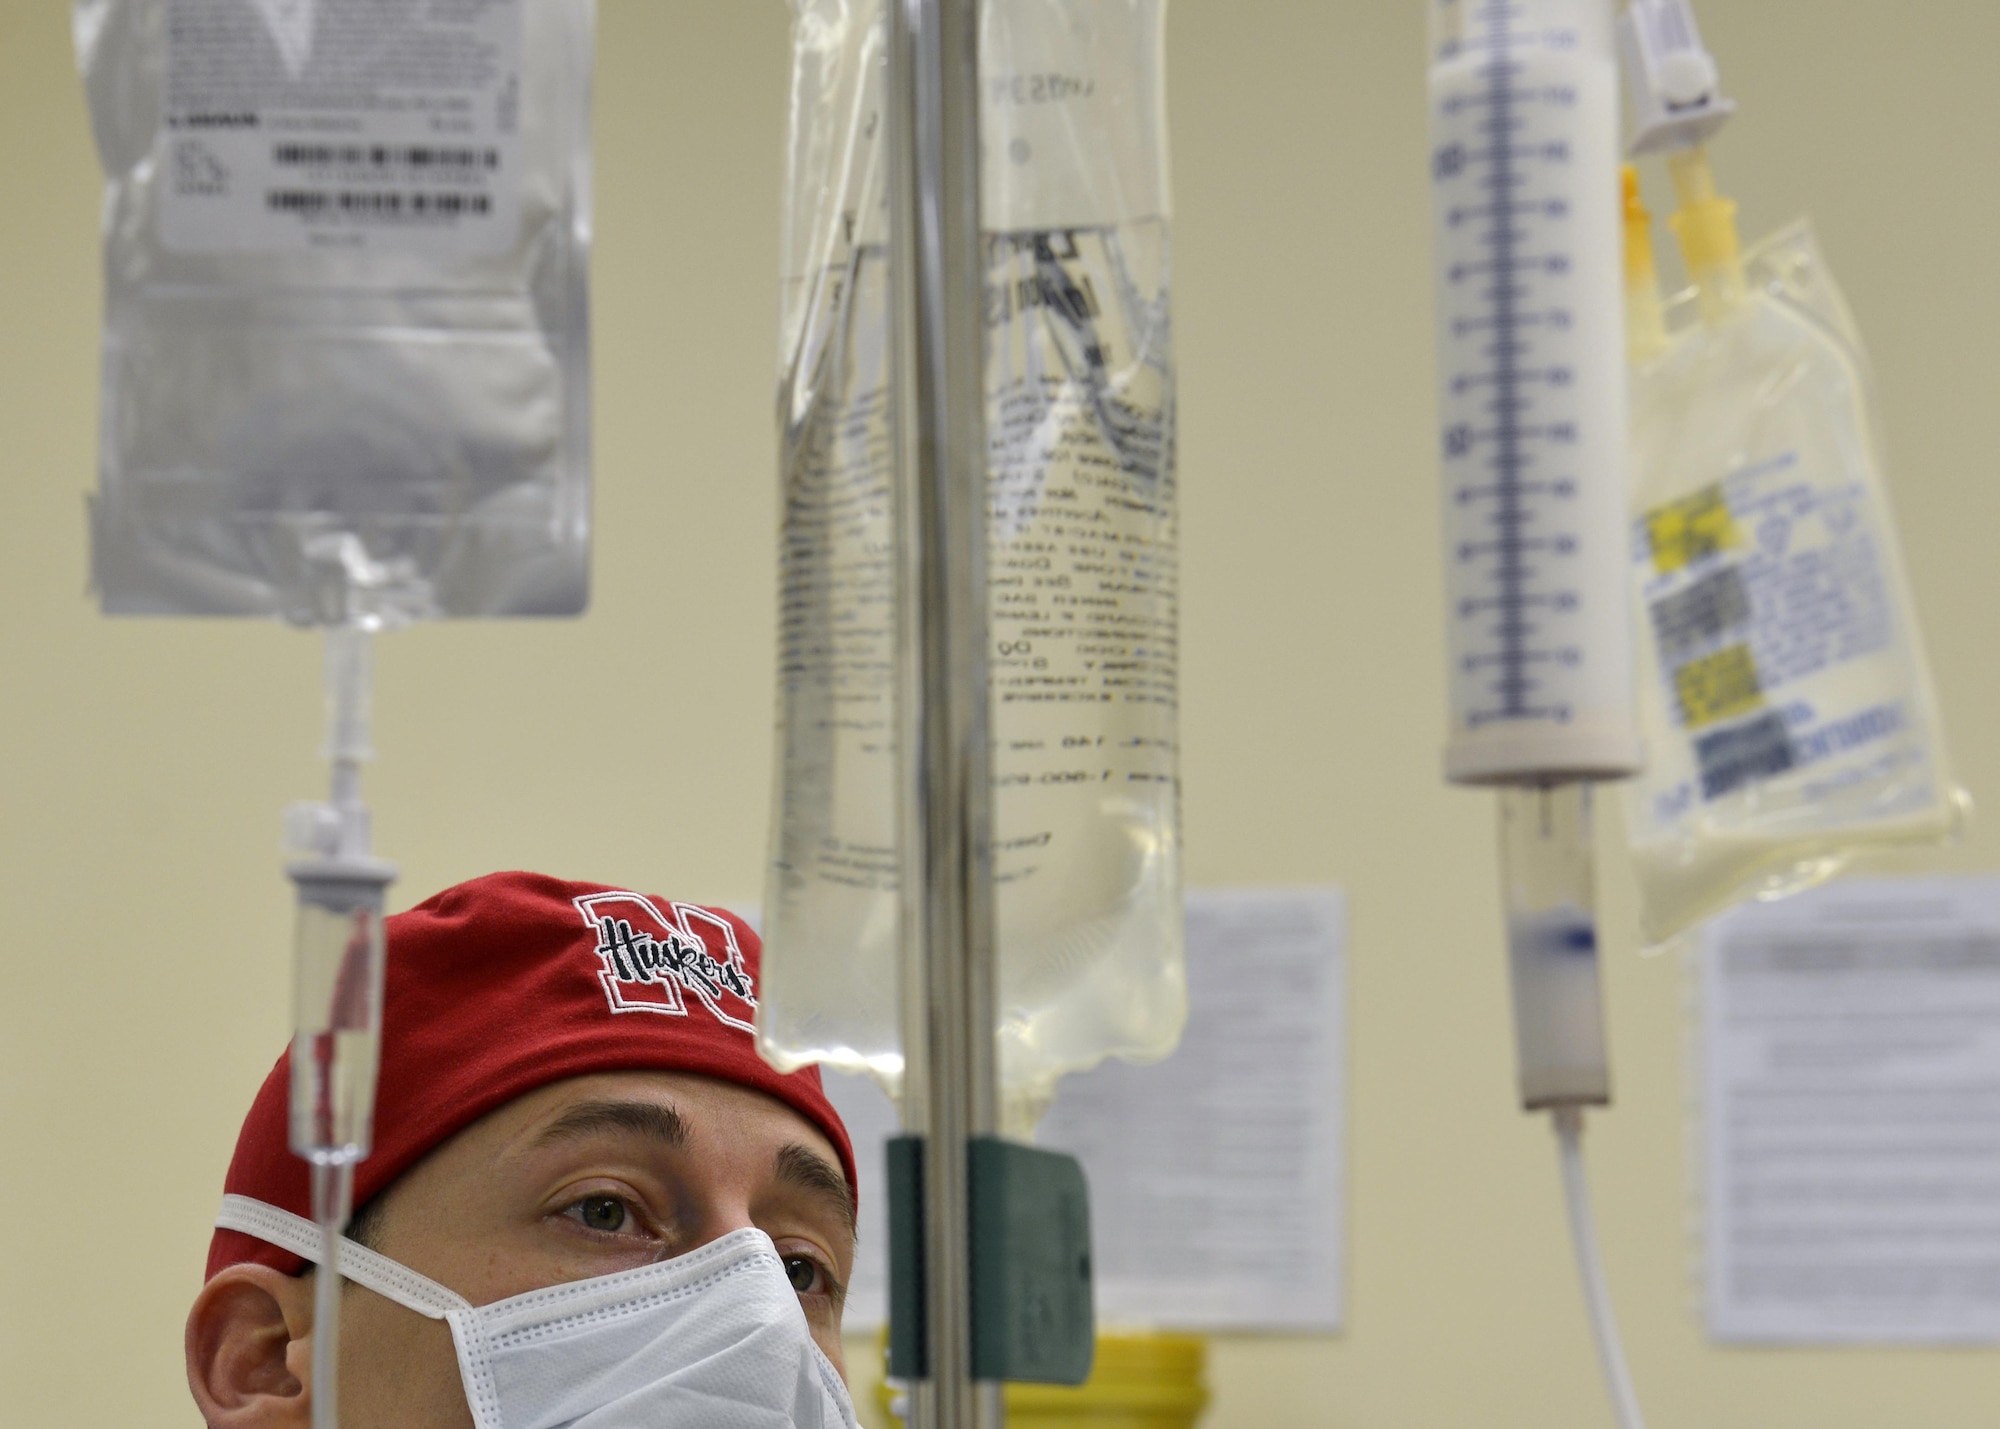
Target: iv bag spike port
{"points": [[1531, 395]]}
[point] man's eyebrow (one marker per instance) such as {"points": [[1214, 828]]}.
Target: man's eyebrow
{"points": [[648, 1119], [806, 1169]]}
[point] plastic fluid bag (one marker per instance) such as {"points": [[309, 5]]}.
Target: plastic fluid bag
{"points": [[345, 355], [1788, 710], [1082, 551]]}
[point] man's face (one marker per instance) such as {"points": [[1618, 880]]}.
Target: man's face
{"points": [[579, 1179]]}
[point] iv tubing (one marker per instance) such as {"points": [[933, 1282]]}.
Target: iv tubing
{"points": [[348, 673], [333, 1188], [344, 848], [1548, 868], [1590, 1269]]}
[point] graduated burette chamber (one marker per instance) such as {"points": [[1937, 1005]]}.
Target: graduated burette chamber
{"points": [[1532, 410], [1531, 394]]}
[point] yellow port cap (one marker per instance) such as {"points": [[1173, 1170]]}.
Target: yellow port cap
{"points": [[1639, 267]]}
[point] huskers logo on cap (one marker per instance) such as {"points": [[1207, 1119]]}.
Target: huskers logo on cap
{"points": [[653, 962]]}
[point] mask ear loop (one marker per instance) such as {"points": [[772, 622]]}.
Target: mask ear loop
{"points": [[358, 1263]]}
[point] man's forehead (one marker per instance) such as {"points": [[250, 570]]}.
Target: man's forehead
{"points": [[702, 1106], [688, 1112]]}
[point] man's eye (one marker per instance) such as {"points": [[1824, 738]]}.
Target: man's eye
{"points": [[806, 1274], [601, 1213]]}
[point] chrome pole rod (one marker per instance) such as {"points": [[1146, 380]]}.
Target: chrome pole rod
{"points": [[949, 990]]}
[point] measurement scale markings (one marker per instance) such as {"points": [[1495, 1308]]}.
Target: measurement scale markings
{"points": [[1466, 495], [1507, 438], [1505, 403], [1544, 262], [1475, 663], [1510, 549], [1518, 629], [1555, 151], [1561, 96], [1558, 601], [1514, 613], [1459, 272], [1502, 236], [1465, 327], [1553, 208]]}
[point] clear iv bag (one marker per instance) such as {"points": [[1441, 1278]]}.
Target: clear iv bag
{"points": [[1787, 705], [345, 361], [1082, 533]]}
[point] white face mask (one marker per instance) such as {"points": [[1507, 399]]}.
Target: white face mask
{"points": [[714, 1339]]}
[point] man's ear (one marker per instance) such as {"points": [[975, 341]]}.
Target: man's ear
{"points": [[249, 1339]]}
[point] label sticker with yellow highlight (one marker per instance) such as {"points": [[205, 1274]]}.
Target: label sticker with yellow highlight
{"points": [[1691, 529], [1718, 687]]}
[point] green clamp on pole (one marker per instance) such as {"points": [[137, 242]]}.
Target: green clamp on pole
{"points": [[1032, 1320]]}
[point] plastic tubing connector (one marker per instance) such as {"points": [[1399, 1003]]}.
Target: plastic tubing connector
{"points": [[1705, 225], [1645, 322]]}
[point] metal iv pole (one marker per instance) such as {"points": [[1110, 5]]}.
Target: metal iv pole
{"points": [[949, 991]]}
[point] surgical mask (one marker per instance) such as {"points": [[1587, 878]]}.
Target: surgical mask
{"points": [[714, 1339]]}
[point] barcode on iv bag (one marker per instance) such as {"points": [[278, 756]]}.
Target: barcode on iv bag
{"points": [[384, 156], [378, 204], [1741, 754]]}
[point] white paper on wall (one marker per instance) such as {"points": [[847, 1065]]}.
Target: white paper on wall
{"points": [[1216, 1176], [1851, 1067]]}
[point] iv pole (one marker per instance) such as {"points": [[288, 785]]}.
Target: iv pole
{"points": [[949, 992]]}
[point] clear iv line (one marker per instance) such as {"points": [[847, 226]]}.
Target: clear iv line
{"points": [[1590, 1269], [332, 1192], [1547, 861], [337, 997]]}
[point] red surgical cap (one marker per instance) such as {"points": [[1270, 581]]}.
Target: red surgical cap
{"points": [[511, 982]]}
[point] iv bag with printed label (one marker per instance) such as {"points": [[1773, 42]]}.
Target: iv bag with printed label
{"points": [[1789, 716], [1081, 551], [345, 351]]}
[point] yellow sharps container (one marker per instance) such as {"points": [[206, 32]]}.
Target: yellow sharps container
{"points": [[1138, 1381]]}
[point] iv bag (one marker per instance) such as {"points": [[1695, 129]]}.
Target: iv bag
{"points": [[1789, 716], [345, 367], [1082, 536]]}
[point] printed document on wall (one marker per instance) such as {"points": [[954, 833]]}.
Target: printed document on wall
{"points": [[1852, 1102], [1216, 1176]]}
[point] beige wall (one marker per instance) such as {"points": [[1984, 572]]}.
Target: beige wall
{"points": [[144, 764]]}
